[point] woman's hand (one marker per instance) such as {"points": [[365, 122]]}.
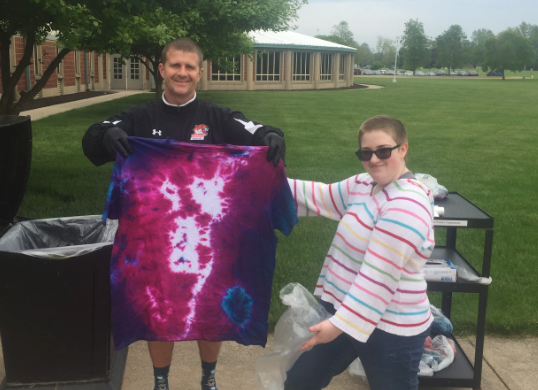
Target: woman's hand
{"points": [[325, 332]]}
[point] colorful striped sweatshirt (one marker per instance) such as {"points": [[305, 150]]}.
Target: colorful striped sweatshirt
{"points": [[373, 271]]}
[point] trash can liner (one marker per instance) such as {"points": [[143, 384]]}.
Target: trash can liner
{"points": [[59, 238]]}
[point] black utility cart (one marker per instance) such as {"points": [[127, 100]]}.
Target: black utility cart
{"points": [[460, 213]]}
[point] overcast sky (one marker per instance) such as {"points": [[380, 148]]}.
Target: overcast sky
{"points": [[368, 19]]}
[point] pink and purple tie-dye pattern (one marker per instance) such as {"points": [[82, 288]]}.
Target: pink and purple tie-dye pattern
{"points": [[194, 255]]}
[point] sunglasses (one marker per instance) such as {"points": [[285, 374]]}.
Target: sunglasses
{"points": [[382, 153]]}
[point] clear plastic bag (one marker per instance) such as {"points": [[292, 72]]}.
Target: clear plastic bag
{"points": [[439, 191], [438, 354], [464, 274], [291, 332]]}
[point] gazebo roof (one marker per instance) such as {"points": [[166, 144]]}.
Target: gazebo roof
{"points": [[293, 40]]}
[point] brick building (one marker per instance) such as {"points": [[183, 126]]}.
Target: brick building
{"points": [[281, 61], [79, 71]]}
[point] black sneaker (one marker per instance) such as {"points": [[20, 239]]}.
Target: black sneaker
{"points": [[208, 381], [161, 383]]}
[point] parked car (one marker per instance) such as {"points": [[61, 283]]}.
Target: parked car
{"points": [[389, 72], [461, 73], [367, 72], [430, 73], [472, 73], [440, 73], [419, 73], [408, 73], [357, 71], [494, 73]]}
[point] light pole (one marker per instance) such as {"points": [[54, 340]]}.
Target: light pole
{"points": [[395, 60], [451, 48]]}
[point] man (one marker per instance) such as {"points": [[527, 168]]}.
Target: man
{"points": [[182, 117]]}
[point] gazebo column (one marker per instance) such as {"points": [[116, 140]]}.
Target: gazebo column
{"points": [[317, 69], [350, 69], [205, 75], [336, 69], [250, 71], [288, 69]]}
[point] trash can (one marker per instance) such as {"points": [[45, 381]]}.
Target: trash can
{"points": [[55, 311], [15, 161]]}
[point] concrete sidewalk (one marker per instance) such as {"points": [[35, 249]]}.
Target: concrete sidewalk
{"points": [[44, 112], [509, 364]]}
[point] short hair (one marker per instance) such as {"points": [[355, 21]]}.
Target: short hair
{"points": [[385, 123], [182, 44]]}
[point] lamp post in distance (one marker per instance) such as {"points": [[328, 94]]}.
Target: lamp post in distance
{"points": [[395, 60]]}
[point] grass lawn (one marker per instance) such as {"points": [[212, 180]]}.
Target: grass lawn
{"points": [[476, 136]]}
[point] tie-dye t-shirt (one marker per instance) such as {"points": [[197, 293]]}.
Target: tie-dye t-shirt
{"points": [[194, 254]]}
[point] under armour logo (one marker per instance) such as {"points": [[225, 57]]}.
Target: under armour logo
{"points": [[157, 132]]}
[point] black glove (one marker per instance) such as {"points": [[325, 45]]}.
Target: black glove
{"points": [[277, 147], [115, 141]]}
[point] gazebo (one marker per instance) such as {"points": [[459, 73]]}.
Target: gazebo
{"points": [[283, 60]]}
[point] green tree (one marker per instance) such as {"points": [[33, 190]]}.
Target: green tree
{"points": [[34, 20], [414, 45], [508, 51], [219, 27], [342, 31], [331, 38], [478, 45], [385, 51], [524, 29], [341, 34], [377, 65], [364, 56], [451, 48], [530, 31], [432, 54], [533, 37]]}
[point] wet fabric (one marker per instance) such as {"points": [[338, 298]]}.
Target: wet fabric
{"points": [[194, 255]]}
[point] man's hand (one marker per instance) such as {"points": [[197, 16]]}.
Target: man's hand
{"points": [[115, 141], [325, 332], [277, 147]]}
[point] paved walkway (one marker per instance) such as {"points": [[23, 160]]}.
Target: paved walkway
{"points": [[43, 112], [509, 364]]}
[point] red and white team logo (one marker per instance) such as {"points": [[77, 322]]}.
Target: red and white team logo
{"points": [[199, 132]]}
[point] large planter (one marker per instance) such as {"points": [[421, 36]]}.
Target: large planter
{"points": [[15, 160]]}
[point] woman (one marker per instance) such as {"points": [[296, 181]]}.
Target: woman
{"points": [[372, 280]]}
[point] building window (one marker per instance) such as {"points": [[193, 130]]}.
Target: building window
{"points": [[341, 73], [135, 68], [224, 69], [117, 73], [268, 66], [301, 66], [326, 66], [38, 60]]}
